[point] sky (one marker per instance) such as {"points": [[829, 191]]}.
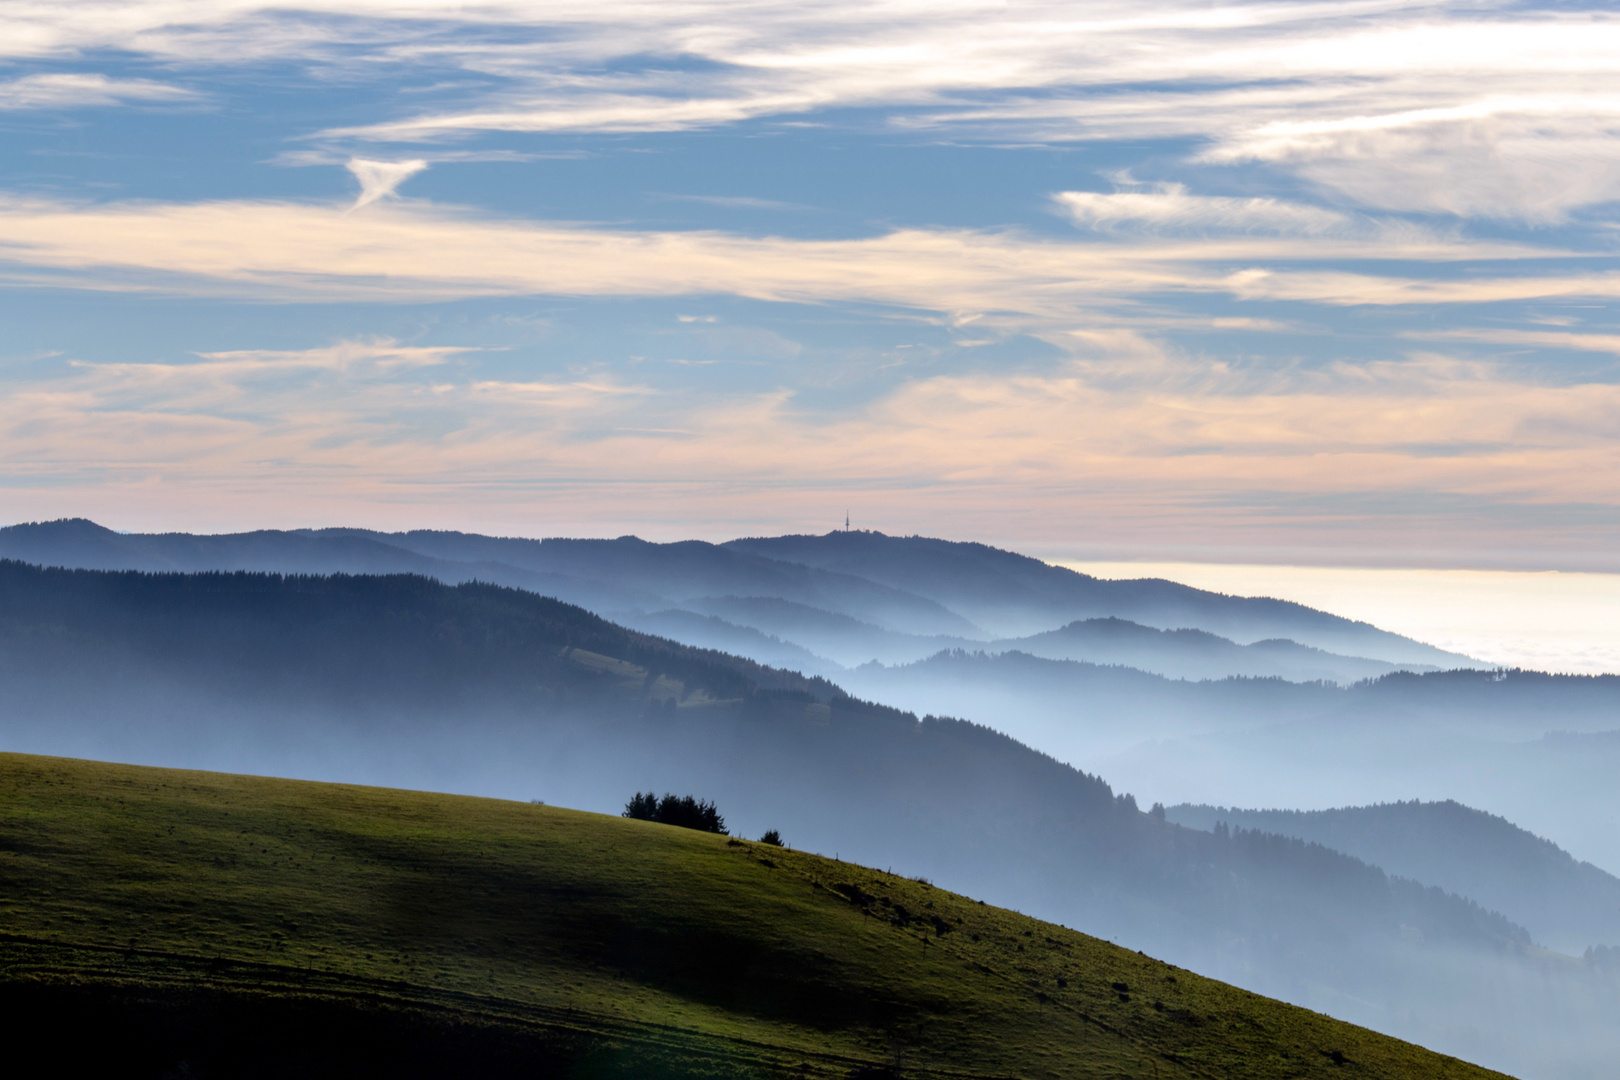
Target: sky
{"points": [[1296, 283]]}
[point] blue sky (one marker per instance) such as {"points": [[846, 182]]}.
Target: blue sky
{"points": [[1326, 282]]}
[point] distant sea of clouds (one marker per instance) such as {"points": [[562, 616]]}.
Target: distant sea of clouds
{"points": [[1549, 621]]}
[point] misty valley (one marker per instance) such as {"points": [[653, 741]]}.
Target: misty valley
{"points": [[1424, 845]]}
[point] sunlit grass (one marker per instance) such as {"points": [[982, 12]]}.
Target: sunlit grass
{"points": [[530, 916]]}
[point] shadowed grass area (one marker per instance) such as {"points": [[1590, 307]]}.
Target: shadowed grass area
{"points": [[251, 926]]}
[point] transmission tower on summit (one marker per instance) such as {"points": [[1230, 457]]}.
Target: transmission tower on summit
{"points": [[846, 521]]}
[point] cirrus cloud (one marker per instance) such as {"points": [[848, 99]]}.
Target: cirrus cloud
{"points": [[77, 90], [1437, 107], [278, 250], [1170, 207]]}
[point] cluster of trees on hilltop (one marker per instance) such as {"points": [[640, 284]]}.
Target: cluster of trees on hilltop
{"points": [[684, 811]]}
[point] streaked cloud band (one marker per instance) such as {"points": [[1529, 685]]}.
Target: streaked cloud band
{"points": [[401, 251], [1436, 107]]}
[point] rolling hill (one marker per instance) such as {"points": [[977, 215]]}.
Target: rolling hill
{"points": [[204, 924], [1566, 904]]}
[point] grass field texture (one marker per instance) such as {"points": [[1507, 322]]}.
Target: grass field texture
{"points": [[543, 941]]}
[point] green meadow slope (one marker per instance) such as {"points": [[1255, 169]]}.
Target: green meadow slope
{"points": [[201, 924]]}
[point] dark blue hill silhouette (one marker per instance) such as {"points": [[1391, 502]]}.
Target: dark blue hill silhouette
{"points": [[1178, 654], [397, 640], [910, 585], [842, 639], [690, 568], [1191, 654], [599, 574], [1566, 904], [1029, 690], [712, 632], [83, 544]]}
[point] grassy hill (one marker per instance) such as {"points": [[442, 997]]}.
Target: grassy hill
{"points": [[207, 924]]}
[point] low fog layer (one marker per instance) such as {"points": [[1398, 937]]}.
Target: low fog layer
{"points": [[779, 631], [1537, 749]]}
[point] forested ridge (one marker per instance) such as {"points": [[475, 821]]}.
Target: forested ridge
{"points": [[401, 636]]}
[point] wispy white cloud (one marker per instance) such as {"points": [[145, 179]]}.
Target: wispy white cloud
{"points": [[1524, 339], [1170, 207], [68, 90], [406, 250], [380, 179], [1534, 156], [380, 354], [1438, 106], [1242, 322], [1340, 287], [216, 387]]}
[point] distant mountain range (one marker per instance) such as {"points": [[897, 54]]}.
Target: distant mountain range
{"points": [[899, 596], [1076, 709], [408, 682], [1196, 654], [1012, 595], [761, 627]]}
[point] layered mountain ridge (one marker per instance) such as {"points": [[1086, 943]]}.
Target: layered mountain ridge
{"points": [[481, 689], [791, 691], [847, 597]]}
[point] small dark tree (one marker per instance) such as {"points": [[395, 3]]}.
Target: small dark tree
{"points": [[771, 837], [682, 810], [642, 807], [690, 813]]}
